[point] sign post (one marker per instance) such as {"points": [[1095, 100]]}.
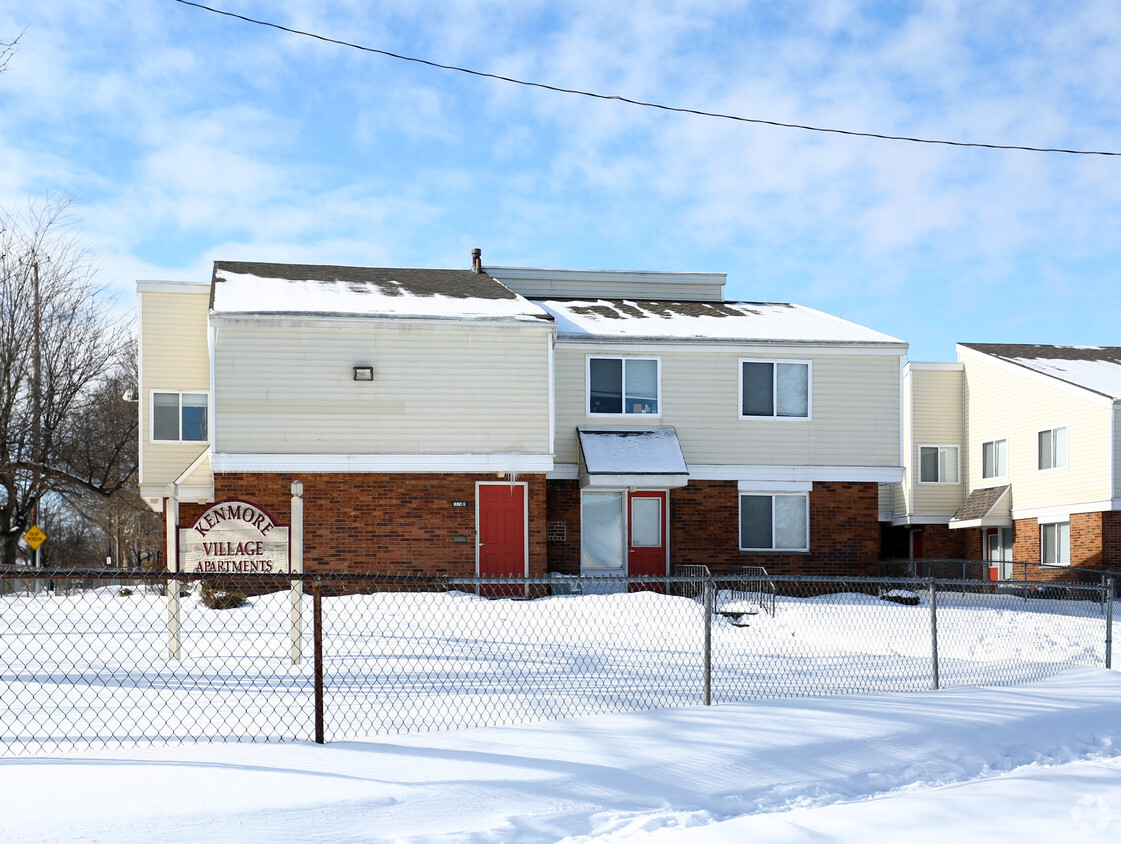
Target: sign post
{"points": [[296, 633]]}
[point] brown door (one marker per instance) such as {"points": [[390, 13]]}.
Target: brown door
{"points": [[646, 535], [501, 534]]}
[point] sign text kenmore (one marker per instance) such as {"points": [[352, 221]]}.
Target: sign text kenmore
{"points": [[235, 537]]}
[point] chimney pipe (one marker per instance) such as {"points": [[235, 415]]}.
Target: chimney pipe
{"points": [[476, 260]]}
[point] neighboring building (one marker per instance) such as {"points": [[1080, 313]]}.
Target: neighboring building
{"points": [[520, 420], [1012, 457]]}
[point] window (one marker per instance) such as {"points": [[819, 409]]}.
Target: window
{"points": [[994, 459], [179, 417], [1053, 448], [938, 464], [774, 522], [1055, 543], [601, 533], [774, 389], [623, 385]]}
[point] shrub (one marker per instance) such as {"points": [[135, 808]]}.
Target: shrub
{"points": [[124, 592], [219, 598]]}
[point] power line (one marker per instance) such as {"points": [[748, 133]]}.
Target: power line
{"points": [[642, 103]]}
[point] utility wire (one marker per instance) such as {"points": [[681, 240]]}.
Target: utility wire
{"points": [[642, 103]]}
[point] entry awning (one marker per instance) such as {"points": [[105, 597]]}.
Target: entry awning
{"points": [[989, 507], [646, 457]]}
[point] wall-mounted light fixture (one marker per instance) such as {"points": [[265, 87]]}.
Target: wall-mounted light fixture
{"points": [[363, 373]]}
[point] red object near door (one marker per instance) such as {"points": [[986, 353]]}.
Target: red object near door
{"points": [[501, 535], [646, 538]]}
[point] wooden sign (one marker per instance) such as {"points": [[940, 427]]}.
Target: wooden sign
{"points": [[235, 537]]}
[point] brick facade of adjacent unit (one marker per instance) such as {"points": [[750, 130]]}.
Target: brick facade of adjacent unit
{"points": [[704, 529], [382, 523]]}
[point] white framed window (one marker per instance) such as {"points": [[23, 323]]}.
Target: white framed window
{"points": [[179, 416], [624, 385], [1053, 448], [602, 532], [774, 521], [938, 464], [774, 389], [1054, 544], [994, 459]]}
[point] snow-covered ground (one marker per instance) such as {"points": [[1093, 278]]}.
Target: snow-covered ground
{"points": [[1039, 762]]}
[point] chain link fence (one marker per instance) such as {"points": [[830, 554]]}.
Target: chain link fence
{"points": [[109, 658]]}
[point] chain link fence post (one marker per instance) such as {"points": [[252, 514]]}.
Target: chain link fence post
{"points": [[1109, 593], [317, 637], [708, 641], [934, 632]]}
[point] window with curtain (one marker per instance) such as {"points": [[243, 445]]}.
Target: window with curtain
{"points": [[994, 459], [938, 464], [774, 522], [777, 389], [623, 385], [1055, 544], [1053, 448]]}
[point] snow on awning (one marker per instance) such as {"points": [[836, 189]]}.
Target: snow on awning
{"points": [[647, 457], [989, 507]]}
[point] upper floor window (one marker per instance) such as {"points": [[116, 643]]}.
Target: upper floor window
{"points": [[994, 459], [1053, 448], [938, 464], [774, 389], [623, 385], [179, 417], [1055, 544]]}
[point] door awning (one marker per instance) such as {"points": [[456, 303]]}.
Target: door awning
{"points": [[989, 507], [646, 457]]}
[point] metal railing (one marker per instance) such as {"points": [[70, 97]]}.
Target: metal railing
{"points": [[110, 657]]}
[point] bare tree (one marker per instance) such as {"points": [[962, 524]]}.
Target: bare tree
{"points": [[7, 50], [60, 352]]}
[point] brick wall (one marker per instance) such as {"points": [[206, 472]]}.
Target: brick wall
{"points": [[844, 530], [1111, 540], [382, 522], [562, 513]]}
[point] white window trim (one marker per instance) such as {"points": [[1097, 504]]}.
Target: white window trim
{"points": [[1053, 428], [152, 416], [1007, 459], [771, 494], [939, 446], [624, 415], [774, 388]]}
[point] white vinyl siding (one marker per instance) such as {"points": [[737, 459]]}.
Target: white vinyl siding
{"points": [[855, 408], [1003, 403], [173, 358], [437, 388]]}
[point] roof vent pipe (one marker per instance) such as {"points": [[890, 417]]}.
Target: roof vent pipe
{"points": [[476, 260]]}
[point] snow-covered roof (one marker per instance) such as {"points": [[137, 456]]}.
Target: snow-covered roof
{"points": [[1094, 368], [262, 289], [649, 451], [731, 321]]}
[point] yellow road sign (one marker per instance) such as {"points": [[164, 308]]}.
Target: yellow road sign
{"points": [[35, 537]]}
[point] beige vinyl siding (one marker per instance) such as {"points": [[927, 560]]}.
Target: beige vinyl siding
{"points": [[1003, 403], [936, 419], [173, 356], [854, 407], [438, 388]]}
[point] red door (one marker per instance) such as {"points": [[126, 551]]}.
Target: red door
{"points": [[646, 535], [501, 534]]}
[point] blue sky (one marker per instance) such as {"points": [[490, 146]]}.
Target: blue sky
{"points": [[185, 137]]}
